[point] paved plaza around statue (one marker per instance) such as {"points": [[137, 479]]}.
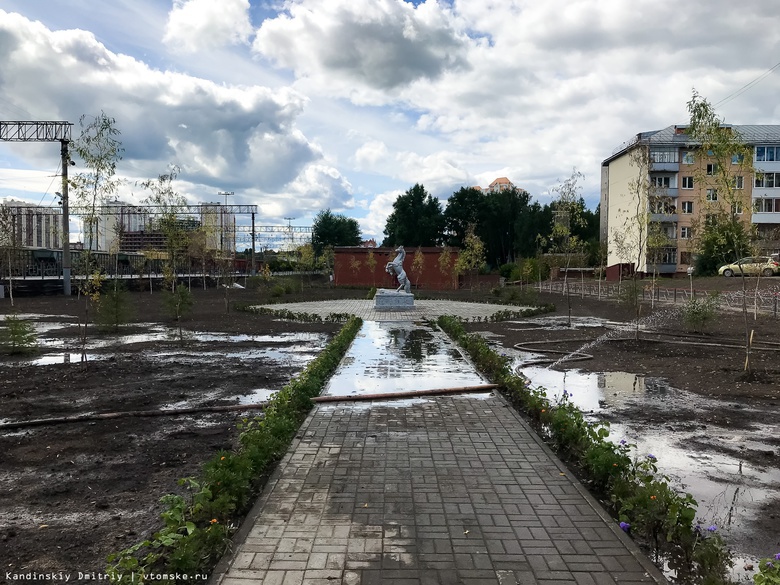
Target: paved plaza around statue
{"points": [[440, 490]]}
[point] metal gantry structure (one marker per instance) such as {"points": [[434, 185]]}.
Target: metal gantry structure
{"points": [[268, 236], [31, 131]]}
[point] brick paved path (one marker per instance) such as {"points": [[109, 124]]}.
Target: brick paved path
{"points": [[442, 491]]}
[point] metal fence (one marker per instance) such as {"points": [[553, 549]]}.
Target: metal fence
{"points": [[765, 300]]}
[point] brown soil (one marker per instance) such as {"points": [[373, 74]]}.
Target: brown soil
{"points": [[70, 494]]}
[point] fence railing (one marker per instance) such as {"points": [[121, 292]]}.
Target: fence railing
{"points": [[761, 300]]}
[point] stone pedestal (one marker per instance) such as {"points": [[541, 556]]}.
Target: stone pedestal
{"points": [[390, 300]]}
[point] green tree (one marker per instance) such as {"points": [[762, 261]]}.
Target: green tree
{"points": [[721, 231], [168, 204], [331, 229], [18, 336], [418, 265], [471, 257], [464, 208], [445, 264], [416, 220], [100, 149], [9, 246]]}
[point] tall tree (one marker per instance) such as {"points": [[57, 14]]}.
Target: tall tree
{"points": [[465, 208], [416, 220], [330, 229]]}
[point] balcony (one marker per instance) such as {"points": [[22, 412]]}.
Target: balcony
{"points": [[669, 167], [663, 217], [661, 268], [765, 217]]}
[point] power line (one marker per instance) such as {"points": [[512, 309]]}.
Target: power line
{"points": [[746, 87]]}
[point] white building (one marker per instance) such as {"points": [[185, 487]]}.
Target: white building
{"points": [[32, 225]]}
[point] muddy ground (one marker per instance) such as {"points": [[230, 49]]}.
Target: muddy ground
{"points": [[70, 494], [710, 364]]}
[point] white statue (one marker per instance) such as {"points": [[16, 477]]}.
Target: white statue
{"points": [[397, 267]]}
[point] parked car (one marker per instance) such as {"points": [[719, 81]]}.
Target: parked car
{"points": [[752, 266]]}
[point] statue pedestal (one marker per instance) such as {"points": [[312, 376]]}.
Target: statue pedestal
{"points": [[389, 300]]}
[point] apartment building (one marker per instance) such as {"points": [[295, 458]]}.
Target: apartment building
{"points": [[32, 225], [678, 193]]}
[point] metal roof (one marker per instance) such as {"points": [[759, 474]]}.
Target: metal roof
{"points": [[670, 136]]}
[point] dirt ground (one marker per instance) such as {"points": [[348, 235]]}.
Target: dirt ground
{"points": [[72, 493]]}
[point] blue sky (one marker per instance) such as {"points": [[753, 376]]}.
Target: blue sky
{"points": [[300, 105]]}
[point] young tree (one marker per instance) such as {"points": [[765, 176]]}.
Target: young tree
{"points": [[445, 264], [100, 150], [471, 257], [729, 163], [167, 203], [307, 260], [418, 265], [371, 265], [567, 216], [9, 245]]}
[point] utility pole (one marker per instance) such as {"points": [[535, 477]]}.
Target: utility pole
{"points": [[65, 220], [254, 270], [290, 232]]}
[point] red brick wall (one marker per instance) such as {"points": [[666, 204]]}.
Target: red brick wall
{"points": [[346, 271]]}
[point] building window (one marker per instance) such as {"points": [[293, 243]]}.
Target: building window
{"points": [[662, 182], [687, 206], [685, 233], [737, 159], [712, 194], [685, 258], [739, 182], [765, 205], [736, 208], [664, 156], [687, 182], [767, 153], [687, 158], [712, 169], [669, 256]]}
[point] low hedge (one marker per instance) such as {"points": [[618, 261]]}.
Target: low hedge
{"points": [[638, 497], [198, 527]]}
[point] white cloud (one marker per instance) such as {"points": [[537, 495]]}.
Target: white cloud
{"points": [[202, 25], [338, 97], [229, 137], [381, 45], [379, 209]]}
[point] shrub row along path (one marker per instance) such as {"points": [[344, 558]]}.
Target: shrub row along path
{"points": [[445, 490]]}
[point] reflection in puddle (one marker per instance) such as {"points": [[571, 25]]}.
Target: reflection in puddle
{"points": [[399, 357], [729, 489], [63, 358]]}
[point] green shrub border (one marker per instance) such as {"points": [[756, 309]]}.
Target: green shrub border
{"points": [[198, 525], [636, 495]]}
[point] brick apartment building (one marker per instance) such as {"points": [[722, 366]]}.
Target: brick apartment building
{"points": [[677, 165]]}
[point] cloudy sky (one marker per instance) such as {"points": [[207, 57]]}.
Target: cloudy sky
{"points": [[301, 105]]}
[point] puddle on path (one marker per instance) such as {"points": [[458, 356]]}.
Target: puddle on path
{"points": [[730, 490], [61, 358], [398, 357]]}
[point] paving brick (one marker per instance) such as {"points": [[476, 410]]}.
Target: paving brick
{"points": [[445, 491]]}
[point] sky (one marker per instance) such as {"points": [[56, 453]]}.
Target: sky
{"points": [[301, 105]]}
